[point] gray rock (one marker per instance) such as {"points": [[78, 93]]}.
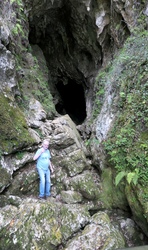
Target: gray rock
{"points": [[99, 234], [71, 197]]}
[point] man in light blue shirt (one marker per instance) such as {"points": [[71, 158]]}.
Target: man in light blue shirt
{"points": [[44, 166]]}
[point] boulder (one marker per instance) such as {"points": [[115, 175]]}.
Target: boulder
{"points": [[99, 234]]}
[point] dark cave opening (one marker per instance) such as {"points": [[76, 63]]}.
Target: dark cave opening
{"points": [[72, 101], [69, 59]]}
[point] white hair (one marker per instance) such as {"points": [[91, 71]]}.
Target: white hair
{"points": [[45, 141]]}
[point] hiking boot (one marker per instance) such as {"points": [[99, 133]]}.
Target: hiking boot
{"points": [[41, 198]]}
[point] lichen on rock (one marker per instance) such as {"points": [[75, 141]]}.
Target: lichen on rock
{"points": [[15, 133]]}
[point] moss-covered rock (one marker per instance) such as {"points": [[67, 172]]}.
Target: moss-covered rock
{"points": [[13, 127], [75, 162], [99, 234], [110, 195], [59, 180], [30, 72], [126, 138], [10, 200], [40, 225], [5, 179], [34, 82], [25, 183], [71, 197], [73, 217], [127, 144], [138, 201], [31, 226], [85, 184]]}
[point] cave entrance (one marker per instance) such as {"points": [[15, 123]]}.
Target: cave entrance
{"points": [[72, 101]]}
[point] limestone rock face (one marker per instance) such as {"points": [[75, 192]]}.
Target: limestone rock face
{"points": [[9, 84], [7, 71], [115, 134], [47, 47], [138, 205], [43, 217], [33, 221], [70, 196], [76, 190], [36, 113], [103, 238], [71, 161]]}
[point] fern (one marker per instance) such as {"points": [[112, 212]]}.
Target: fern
{"points": [[130, 177], [136, 176], [119, 177]]}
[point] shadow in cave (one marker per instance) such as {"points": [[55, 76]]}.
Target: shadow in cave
{"points": [[72, 101]]}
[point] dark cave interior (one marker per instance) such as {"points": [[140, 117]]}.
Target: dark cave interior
{"points": [[71, 96], [70, 47], [72, 101], [67, 35]]}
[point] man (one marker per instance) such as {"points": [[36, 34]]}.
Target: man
{"points": [[44, 166]]}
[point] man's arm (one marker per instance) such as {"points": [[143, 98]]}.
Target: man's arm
{"points": [[37, 155], [51, 167]]}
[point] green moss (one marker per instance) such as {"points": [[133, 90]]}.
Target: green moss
{"points": [[17, 30], [29, 223], [5, 242], [5, 178], [138, 206], [13, 127], [86, 186], [19, 2], [19, 155], [34, 84], [99, 92], [127, 144], [110, 195]]}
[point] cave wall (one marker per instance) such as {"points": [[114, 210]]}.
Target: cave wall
{"points": [[77, 39]]}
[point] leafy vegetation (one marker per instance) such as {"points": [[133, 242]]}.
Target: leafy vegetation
{"points": [[18, 31], [100, 91], [34, 84], [131, 176], [32, 79], [127, 144]]}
